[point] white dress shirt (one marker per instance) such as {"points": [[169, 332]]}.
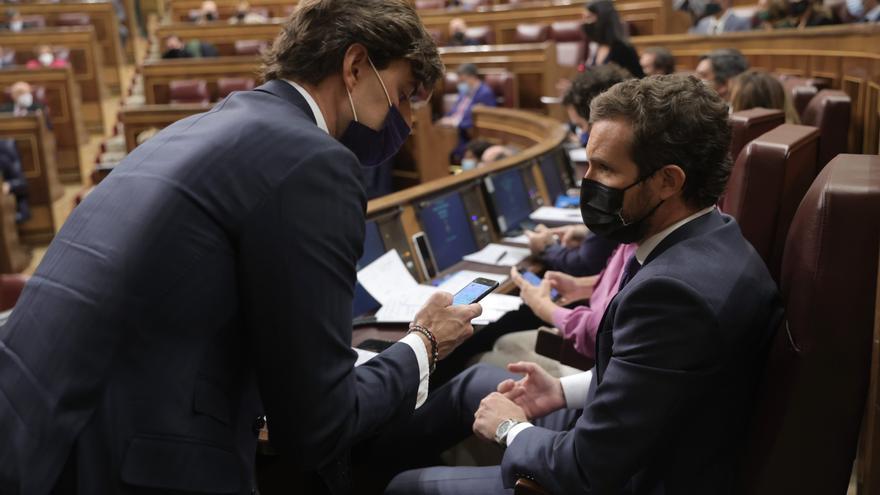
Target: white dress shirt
{"points": [[412, 340], [575, 387]]}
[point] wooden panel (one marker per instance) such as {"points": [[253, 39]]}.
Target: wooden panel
{"points": [[136, 120], [64, 110], [872, 120], [36, 147], [846, 55], [158, 73], [103, 19], [85, 60]]}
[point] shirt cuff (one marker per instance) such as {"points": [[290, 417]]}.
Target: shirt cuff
{"points": [[418, 346], [575, 388], [516, 431], [560, 315]]}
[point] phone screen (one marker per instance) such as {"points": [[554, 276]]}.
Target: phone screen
{"points": [[474, 291], [536, 281]]}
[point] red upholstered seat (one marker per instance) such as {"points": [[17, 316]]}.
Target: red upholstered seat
{"points": [[570, 46], [189, 91], [801, 91], [226, 85], [249, 47], [11, 286], [806, 422], [830, 111], [532, 33], [503, 84], [749, 124], [73, 19], [768, 181]]}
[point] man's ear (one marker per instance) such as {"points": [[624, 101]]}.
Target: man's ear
{"points": [[672, 179], [353, 63]]}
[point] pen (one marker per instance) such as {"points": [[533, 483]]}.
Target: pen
{"points": [[503, 254]]}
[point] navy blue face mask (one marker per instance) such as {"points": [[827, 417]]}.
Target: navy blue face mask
{"points": [[373, 147]]}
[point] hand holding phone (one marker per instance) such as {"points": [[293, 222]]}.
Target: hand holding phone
{"points": [[450, 324], [474, 291], [536, 281]]}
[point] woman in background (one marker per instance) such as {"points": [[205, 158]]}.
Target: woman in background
{"points": [[755, 88]]}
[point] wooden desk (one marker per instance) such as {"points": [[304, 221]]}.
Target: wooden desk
{"points": [[103, 19], [36, 147], [158, 73], [136, 120], [14, 257], [846, 55], [64, 113], [85, 60]]}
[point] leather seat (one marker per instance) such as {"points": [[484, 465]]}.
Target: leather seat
{"points": [[189, 91], [73, 19], [11, 286], [532, 33], [249, 47], [226, 85], [768, 181], [749, 124], [811, 400], [830, 111], [570, 45], [503, 84], [801, 91], [483, 35]]}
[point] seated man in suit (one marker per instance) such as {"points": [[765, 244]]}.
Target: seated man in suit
{"points": [[718, 68], [720, 18], [678, 350], [471, 91], [24, 101], [46, 58]]}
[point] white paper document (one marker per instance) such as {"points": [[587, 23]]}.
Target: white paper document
{"points": [[519, 239], [402, 308], [578, 155], [460, 279], [551, 214], [386, 278], [498, 254]]}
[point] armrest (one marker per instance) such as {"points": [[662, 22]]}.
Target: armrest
{"points": [[551, 344], [528, 487]]}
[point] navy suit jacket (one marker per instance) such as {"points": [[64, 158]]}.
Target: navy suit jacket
{"points": [[677, 357], [589, 258], [206, 281], [483, 96]]}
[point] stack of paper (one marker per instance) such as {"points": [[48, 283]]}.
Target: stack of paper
{"points": [[553, 215], [519, 239], [499, 255]]}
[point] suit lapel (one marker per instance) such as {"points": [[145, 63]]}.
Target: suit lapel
{"points": [[285, 91]]}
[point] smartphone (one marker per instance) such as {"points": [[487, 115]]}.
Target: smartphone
{"points": [[425, 256], [474, 291], [375, 345], [536, 281]]}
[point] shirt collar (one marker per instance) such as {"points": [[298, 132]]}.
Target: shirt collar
{"points": [[645, 248], [316, 110]]}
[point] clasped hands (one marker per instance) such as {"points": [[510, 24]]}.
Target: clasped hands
{"points": [[535, 395]]}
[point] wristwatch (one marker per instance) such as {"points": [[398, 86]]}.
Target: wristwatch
{"points": [[503, 429]]}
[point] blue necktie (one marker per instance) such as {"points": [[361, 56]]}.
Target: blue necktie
{"points": [[629, 271]]}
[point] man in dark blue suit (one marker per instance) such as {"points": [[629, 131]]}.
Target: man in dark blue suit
{"points": [[208, 281], [678, 349], [471, 91]]}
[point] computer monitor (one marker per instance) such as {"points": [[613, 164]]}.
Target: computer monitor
{"points": [[363, 302], [552, 176], [447, 226], [510, 199]]}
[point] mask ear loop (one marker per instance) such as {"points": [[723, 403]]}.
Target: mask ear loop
{"points": [[387, 97], [351, 102]]}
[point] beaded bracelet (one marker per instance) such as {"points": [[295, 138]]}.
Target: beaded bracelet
{"points": [[435, 352]]}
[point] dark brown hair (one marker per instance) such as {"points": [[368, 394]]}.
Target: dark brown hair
{"points": [[314, 40], [664, 60], [676, 120], [592, 82], [755, 88]]}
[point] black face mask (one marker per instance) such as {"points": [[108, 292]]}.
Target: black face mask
{"points": [[797, 8], [601, 206], [591, 30], [458, 37], [712, 8]]}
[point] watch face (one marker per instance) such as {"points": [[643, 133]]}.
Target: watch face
{"points": [[503, 429]]}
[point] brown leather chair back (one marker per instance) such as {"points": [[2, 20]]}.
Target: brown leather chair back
{"points": [[226, 85], [249, 47], [570, 45], [749, 124], [801, 91], [532, 33], [73, 19], [810, 403], [189, 91], [483, 35], [11, 286], [768, 181], [503, 84], [830, 111]]}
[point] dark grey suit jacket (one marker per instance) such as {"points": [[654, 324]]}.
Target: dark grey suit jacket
{"points": [[677, 357], [213, 267]]}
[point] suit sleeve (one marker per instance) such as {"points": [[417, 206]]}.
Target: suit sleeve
{"points": [[298, 257], [664, 357], [587, 259]]}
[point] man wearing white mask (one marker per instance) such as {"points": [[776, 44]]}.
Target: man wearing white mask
{"points": [[46, 59], [471, 91], [23, 102], [208, 281]]}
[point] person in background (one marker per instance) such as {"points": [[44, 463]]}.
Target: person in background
{"points": [[46, 58], [720, 18], [208, 11], [24, 102], [863, 10], [14, 181], [7, 57], [602, 25], [756, 88], [718, 67], [495, 153], [473, 153], [586, 86], [787, 14], [15, 22], [244, 15], [471, 91], [458, 33], [657, 61], [176, 48]]}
